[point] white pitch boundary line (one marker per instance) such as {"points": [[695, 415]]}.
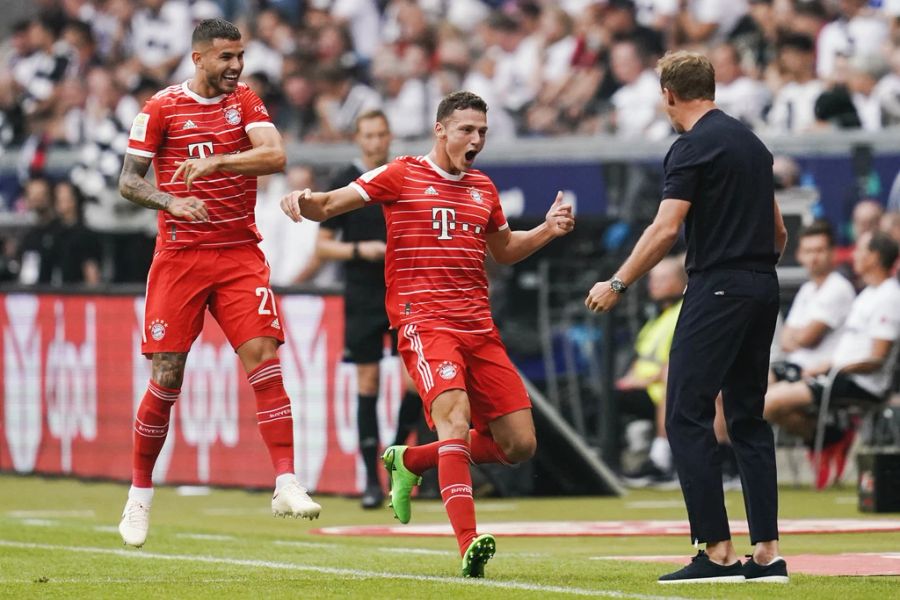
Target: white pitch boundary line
{"points": [[357, 573]]}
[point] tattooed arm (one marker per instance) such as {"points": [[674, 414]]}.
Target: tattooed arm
{"points": [[134, 187]]}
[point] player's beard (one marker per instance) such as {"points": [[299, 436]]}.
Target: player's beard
{"points": [[222, 85]]}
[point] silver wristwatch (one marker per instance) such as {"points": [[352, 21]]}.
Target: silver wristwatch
{"points": [[617, 285]]}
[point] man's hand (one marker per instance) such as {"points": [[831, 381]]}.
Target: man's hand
{"points": [[193, 168], [560, 219], [601, 298], [371, 250], [290, 204], [190, 209]]}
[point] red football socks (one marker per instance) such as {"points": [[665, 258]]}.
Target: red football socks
{"points": [[455, 481], [150, 428], [484, 449], [273, 406]]}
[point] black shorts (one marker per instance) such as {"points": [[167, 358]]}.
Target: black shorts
{"points": [[365, 328], [783, 370], [844, 388]]}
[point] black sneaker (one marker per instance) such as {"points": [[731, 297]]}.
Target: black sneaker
{"points": [[373, 497], [648, 475], [703, 570], [774, 572]]}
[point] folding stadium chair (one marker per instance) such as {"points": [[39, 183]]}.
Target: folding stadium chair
{"points": [[867, 413]]}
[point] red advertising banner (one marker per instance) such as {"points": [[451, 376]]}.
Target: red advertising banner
{"points": [[72, 376]]}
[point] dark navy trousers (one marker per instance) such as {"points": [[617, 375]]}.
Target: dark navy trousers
{"points": [[722, 342]]}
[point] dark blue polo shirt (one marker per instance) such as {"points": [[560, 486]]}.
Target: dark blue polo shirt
{"points": [[725, 172]]}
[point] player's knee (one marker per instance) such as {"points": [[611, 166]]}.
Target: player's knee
{"points": [[367, 380], [520, 449]]}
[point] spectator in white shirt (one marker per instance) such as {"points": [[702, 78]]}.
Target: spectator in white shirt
{"points": [[857, 30], [862, 80], [517, 68], [363, 21], [636, 103], [707, 21], [866, 348], [161, 36], [793, 109], [339, 102], [819, 310], [888, 90], [740, 96]]}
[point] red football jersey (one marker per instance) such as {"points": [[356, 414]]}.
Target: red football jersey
{"points": [[177, 124], [436, 245]]}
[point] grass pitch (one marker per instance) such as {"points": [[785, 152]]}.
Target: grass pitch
{"points": [[58, 539]]}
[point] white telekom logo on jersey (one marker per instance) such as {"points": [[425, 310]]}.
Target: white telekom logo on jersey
{"points": [[443, 219], [201, 150]]}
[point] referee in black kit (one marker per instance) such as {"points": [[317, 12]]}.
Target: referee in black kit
{"points": [[362, 245], [718, 182]]}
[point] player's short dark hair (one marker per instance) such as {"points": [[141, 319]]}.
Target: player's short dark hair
{"points": [[375, 113], [214, 29], [688, 75], [460, 100], [885, 247], [818, 227]]}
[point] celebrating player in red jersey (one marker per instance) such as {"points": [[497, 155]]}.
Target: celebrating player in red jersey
{"points": [[208, 139], [441, 218]]}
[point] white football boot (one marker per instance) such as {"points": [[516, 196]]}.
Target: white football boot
{"points": [[292, 500], [135, 523]]}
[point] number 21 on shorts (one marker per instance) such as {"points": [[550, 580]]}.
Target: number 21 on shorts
{"points": [[266, 295]]}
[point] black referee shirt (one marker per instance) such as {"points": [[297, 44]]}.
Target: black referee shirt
{"points": [[363, 278], [725, 172]]}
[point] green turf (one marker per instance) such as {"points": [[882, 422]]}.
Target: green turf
{"points": [[51, 547]]}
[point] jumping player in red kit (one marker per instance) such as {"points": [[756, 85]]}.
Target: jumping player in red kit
{"points": [[441, 218], [208, 138]]}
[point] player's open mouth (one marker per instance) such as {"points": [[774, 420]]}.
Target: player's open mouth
{"points": [[471, 154], [232, 77]]}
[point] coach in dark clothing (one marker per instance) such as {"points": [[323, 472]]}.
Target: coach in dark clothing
{"points": [[718, 183]]}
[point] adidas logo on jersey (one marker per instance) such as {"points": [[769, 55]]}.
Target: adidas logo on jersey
{"points": [[275, 324], [189, 125], [430, 191]]}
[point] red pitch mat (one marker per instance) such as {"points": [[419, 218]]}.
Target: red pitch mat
{"points": [[873, 563], [615, 528]]}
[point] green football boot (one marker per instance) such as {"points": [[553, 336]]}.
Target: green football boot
{"points": [[402, 482], [477, 554]]}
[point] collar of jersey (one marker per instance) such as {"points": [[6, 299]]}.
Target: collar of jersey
{"points": [[442, 172], [198, 98]]}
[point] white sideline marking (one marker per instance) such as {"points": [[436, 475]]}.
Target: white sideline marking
{"points": [[59, 514], [205, 536], [106, 528], [846, 500], [654, 504], [39, 522], [358, 573], [415, 551], [193, 490], [307, 544], [236, 512]]}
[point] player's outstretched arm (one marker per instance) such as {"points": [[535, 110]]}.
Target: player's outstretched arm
{"points": [[508, 247], [134, 187], [319, 206], [266, 157]]}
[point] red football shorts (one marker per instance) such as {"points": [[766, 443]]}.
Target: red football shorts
{"points": [[232, 282], [477, 363]]}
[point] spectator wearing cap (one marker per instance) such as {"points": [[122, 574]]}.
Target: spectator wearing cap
{"points": [[793, 109], [856, 31], [738, 95], [620, 20]]}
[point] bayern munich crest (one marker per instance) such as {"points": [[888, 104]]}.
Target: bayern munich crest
{"points": [[158, 329], [476, 195], [447, 370], [233, 116]]}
